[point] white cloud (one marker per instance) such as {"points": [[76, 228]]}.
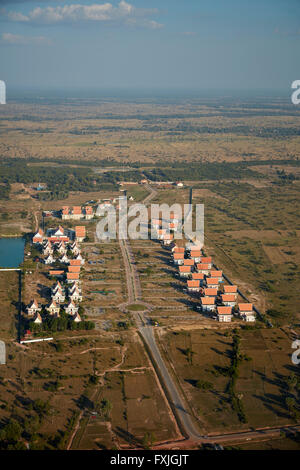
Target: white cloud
{"points": [[105, 12], [17, 39]]}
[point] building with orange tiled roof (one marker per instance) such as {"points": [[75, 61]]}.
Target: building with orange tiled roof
{"points": [[246, 312], [178, 249], [193, 285], [89, 213], [212, 282], [185, 271], [229, 300], [198, 276], [38, 236], [224, 314], [210, 292], [206, 260], [33, 308], [56, 273], [230, 289], [74, 269], [71, 308], [207, 303], [178, 258], [195, 255], [217, 274], [188, 262], [77, 213], [80, 233], [75, 262], [53, 309], [203, 268], [72, 277]]}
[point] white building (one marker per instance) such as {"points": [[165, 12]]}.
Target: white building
{"points": [[224, 314], [246, 312]]}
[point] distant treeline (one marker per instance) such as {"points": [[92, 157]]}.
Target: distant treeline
{"points": [[59, 180], [274, 132], [183, 163], [202, 171], [185, 127], [62, 179]]}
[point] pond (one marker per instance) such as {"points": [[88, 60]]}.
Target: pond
{"points": [[11, 252]]}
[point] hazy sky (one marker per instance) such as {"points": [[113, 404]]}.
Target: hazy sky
{"points": [[190, 44]]}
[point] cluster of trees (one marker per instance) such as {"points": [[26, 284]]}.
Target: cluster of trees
{"points": [[16, 432], [52, 324], [59, 180], [202, 171], [62, 323], [4, 191], [292, 399], [286, 177], [233, 373]]}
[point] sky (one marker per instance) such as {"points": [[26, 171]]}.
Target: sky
{"points": [[150, 44]]}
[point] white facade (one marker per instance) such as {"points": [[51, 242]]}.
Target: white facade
{"points": [[224, 318]]}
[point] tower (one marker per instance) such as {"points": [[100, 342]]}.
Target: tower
{"points": [[191, 196]]}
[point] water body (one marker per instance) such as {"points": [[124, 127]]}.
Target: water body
{"points": [[11, 252]]}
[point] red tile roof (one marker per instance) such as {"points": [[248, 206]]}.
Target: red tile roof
{"points": [[210, 292], [207, 300], [228, 298], [201, 266], [206, 260], [178, 256], [224, 310], [73, 276], [89, 210], [188, 262], [185, 269], [80, 231], [195, 254], [199, 276], [75, 262], [245, 307], [230, 289], [216, 273], [74, 269], [178, 249], [211, 281], [76, 210], [193, 283]]}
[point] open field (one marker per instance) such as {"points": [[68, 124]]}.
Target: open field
{"points": [[9, 295], [261, 384], [203, 130]]}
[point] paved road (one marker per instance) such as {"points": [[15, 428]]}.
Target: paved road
{"points": [[178, 406], [176, 402]]}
